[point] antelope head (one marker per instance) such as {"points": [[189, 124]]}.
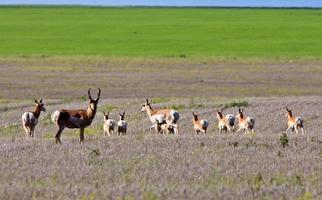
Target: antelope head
{"points": [[122, 116], [146, 105], [288, 112], [106, 115], [93, 102], [219, 114], [195, 116], [240, 114], [40, 105]]}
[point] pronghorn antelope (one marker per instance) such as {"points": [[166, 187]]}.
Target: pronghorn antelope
{"points": [[122, 124], [76, 118], [294, 123], [199, 125], [169, 116], [245, 123], [30, 119], [109, 124], [163, 128], [225, 123]]}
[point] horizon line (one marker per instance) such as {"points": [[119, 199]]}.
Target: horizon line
{"points": [[155, 6]]}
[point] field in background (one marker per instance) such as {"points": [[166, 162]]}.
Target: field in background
{"points": [[161, 32], [69, 78]]}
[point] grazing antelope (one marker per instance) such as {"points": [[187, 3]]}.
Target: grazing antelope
{"points": [[122, 124], [30, 119], [76, 118], [163, 128], [225, 123], [294, 123], [109, 124], [199, 125], [245, 123], [170, 116]]}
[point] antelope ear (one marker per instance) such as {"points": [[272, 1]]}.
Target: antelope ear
{"points": [[148, 101]]}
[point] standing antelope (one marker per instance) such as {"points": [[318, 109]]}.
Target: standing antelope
{"points": [[109, 124], [225, 123], [245, 123], [122, 124], [294, 123], [30, 119], [170, 116], [76, 118], [199, 125]]}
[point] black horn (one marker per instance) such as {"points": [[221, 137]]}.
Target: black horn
{"points": [[89, 94], [98, 94]]}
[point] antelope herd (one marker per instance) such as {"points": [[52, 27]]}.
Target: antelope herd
{"points": [[164, 121]]}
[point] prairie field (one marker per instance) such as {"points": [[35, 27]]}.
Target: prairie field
{"points": [[188, 59], [160, 32]]}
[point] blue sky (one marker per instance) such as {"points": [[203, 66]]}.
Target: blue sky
{"points": [[270, 3]]}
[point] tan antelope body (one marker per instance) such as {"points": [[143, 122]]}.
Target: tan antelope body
{"points": [[199, 125], [245, 123], [30, 119], [169, 116], [79, 119], [226, 123], [109, 125], [294, 123]]}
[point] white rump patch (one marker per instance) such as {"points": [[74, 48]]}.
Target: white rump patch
{"points": [[54, 116]]}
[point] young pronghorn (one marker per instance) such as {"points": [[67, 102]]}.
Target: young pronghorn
{"points": [[76, 118], [294, 123], [170, 116], [245, 123], [109, 124], [122, 124], [163, 128], [199, 125], [225, 123], [30, 119]]}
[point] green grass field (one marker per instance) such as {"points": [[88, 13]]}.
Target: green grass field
{"points": [[161, 32]]}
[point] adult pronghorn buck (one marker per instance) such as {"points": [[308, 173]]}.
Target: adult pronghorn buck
{"points": [[225, 123], [199, 125], [294, 123], [76, 118], [30, 119], [245, 123], [169, 116]]}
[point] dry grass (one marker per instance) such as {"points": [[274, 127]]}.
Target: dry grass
{"points": [[142, 166]]}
